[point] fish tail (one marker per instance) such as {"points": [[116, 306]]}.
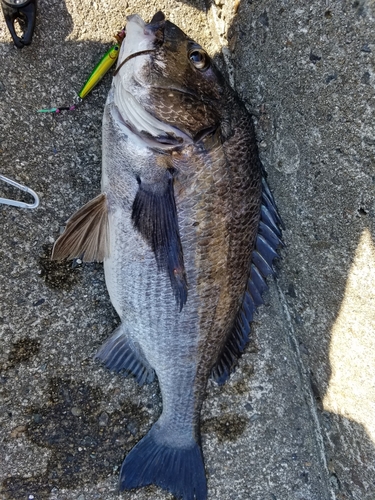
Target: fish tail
{"points": [[179, 470]]}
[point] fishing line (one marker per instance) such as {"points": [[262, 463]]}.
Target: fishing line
{"points": [[131, 57], [103, 66]]}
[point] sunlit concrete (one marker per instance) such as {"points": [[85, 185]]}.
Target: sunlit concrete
{"points": [[351, 391]]}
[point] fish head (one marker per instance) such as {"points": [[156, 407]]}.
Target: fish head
{"points": [[167, 77]]}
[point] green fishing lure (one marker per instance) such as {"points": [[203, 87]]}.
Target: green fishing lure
{"points": [[103, 66]]}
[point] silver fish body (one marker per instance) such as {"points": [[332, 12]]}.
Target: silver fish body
{"points": [[187, 230]]}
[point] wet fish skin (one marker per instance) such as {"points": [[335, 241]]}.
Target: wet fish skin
{"points": [[182, 203]]}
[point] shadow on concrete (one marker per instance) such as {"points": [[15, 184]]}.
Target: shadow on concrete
{"points": [[288, 68]]}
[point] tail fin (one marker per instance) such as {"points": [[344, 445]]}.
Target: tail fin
{"points": [[177, 470]]}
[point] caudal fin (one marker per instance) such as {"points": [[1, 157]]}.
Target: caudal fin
{"points": [[177, 470]]}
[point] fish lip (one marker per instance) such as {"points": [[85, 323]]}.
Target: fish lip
{"points": [[148, 28], [136, 19], [157, 20], [140, 39], [131, 56]]}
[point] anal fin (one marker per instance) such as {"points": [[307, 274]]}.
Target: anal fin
{"points": [[119, 353], [86, 233]]}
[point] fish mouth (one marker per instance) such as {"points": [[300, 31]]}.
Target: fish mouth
{"points": [[142, 36], [141, 39]]}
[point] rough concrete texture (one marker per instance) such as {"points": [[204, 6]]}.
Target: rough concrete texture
{"points": [[296, 421]]}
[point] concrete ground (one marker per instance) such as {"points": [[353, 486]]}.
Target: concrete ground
{"points": [[297, 420]]}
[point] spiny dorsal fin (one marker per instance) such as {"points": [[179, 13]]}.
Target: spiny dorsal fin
{"points": [[86, 233], [154, 214], [267, 242]]}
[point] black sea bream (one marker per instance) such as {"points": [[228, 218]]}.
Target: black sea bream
{"points": [[187, 229]]}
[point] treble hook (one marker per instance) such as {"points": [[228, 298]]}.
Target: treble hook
{"points": [[16, 203]]}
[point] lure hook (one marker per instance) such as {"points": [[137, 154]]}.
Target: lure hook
{"points": [[16, 203]]}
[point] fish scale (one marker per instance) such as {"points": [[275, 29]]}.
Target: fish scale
{"points": [[188, 230]]}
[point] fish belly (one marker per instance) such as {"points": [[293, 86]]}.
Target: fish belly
{"points": [[165, 338]]}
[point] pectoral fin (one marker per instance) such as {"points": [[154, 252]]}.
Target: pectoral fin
{"points": [[154, 214], [86, 233]]}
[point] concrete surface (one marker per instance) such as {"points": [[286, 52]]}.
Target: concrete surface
{"points": [[297, 419]]}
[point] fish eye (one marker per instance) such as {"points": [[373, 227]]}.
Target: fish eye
{"points": [[199, 58]]}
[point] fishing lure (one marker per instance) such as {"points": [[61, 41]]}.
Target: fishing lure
{"points": [[103, 66]]}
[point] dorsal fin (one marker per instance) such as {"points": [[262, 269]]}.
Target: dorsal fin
{"points": [[267, 242], [86, 233]]}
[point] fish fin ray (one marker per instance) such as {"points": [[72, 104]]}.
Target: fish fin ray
{"points": [[269, 235], [154, 215], [267, 242], [86, 234], [234, 346], [119, 353], [255, 293], [266, 250], [177, 470], [268, 219], [269, 200]]}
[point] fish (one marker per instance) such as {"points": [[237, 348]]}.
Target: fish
{"points": [[188, 231]]}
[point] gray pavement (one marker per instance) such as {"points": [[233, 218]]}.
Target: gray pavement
{"points": [[297, 419]]}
